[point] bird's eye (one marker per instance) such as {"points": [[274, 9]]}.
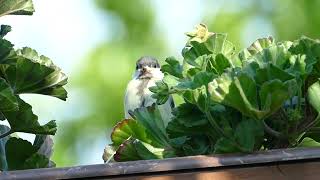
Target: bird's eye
{"points": [[154, 66]]}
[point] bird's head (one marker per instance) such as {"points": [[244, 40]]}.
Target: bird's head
{"points": [[147, 67]]}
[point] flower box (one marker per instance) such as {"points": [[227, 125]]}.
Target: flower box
{"points": [[295, 163]]}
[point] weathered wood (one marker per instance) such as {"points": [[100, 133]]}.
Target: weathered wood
{"points": [[305, 171], [288, 163]]}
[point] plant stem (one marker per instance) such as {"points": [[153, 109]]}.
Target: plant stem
{"points": [[271, 131], [312, 123], [6, 134]]}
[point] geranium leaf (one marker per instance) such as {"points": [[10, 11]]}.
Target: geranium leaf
{"points": [[248, 133], [16, 7], [172, 67], [224, 145], [308, 142], [4, 29], [22, 155], [256, 47], [129, 128], [35, 74], [240, 92], [154, 122], [8, 100], [23, 120], [127, 151], [314, 96], [147, 151], [36, 161]]}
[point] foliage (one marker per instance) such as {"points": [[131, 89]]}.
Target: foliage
{"points": [[24, 71], [125, 43], [264, 97]]}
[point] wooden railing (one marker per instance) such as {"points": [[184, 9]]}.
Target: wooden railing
{"points": [[298, 163]]}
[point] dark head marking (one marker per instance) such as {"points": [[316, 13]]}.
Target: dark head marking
{"points": [[147, 61]]}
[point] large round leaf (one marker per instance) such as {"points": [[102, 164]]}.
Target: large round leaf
{"points": [[128, 128]]}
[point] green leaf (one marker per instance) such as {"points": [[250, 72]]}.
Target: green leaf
{"points": [[172, 67], [219, 63], [147, 151], [22, 155], [16, 7], [3, 141], [154, 122], [129, 128], [308, 142], [196, 145], [314, 96], [277, 55], [23, 120], [35, 74], [4, 29], [272, 96], [189, 115], [309, 52], [36, 161], [215, 44], [161, 92], [7, 53], [248, 133], [8, 100], [271, 72], [256, 47], [240, 92], [126, 151], [17, 151], [224, 145]]}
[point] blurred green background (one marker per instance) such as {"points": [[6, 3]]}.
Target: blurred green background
{"points": [[97, 44]]}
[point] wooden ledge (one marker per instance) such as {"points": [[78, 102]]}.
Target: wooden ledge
{"points": [[186, 167]]}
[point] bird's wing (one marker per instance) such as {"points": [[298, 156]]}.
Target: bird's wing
{"points": [[131, 100]]}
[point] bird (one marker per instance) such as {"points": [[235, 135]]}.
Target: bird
{"points": [[147, 73]]}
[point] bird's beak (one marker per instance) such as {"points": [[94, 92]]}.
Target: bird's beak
{"points": [[145, 73]]}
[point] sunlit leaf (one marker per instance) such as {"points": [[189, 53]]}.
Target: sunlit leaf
{"points": [[128, 128], [308, 142], [16, 7], [35, 74], [314, 96], [240, 92], [256, 47]]}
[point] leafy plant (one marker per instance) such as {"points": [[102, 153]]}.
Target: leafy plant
{"points": [[264, 97], [24, 71]]}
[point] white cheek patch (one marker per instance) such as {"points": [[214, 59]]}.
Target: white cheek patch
{"points": [[156, 73]]}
